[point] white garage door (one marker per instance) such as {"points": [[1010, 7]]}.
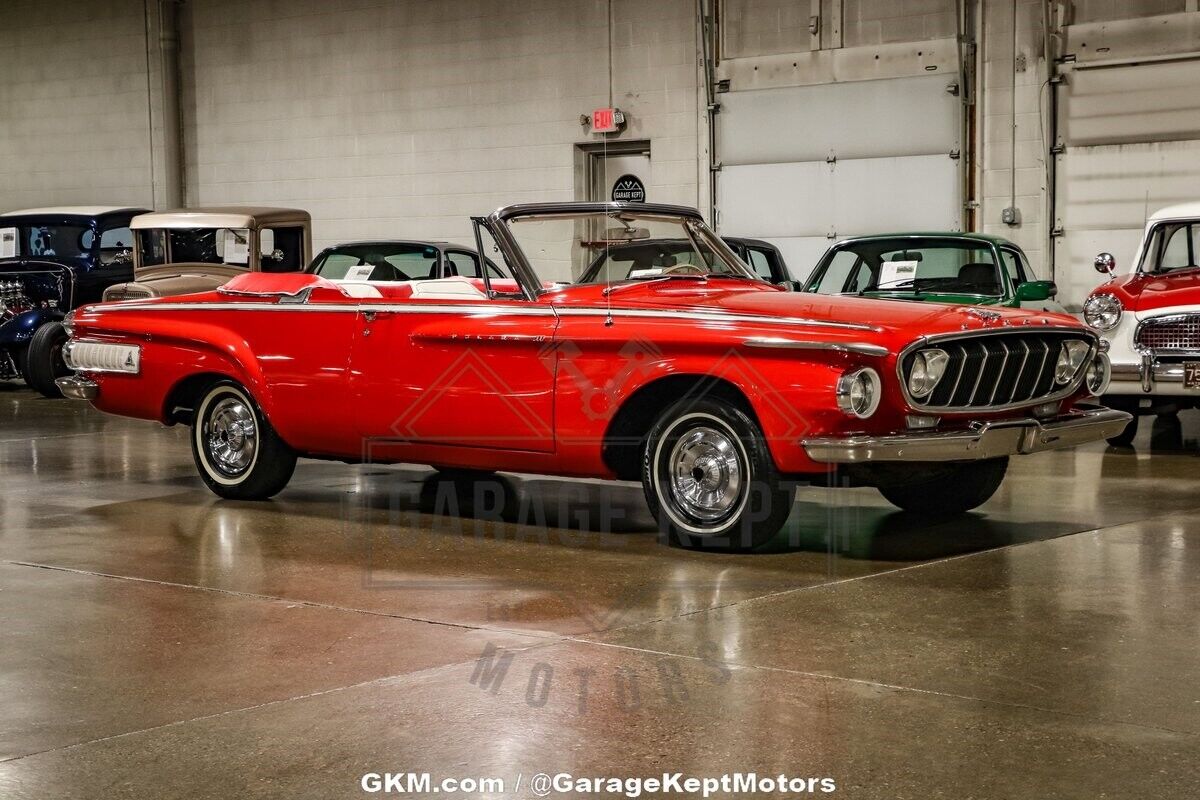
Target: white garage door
{"points": [[1132, 136], [804, 165]]}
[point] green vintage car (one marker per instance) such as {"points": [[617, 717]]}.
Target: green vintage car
{"points": [[969, 268]]}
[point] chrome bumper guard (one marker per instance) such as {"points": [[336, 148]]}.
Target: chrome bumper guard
{"points": [[989, 440], [77, 388], [1149, 371]]}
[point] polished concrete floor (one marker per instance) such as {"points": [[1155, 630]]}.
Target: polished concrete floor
{"points": [[156, 642]]}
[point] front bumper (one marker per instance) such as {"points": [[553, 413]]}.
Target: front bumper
{"points": [[1149, 376], [987, 440], [75, 387]]}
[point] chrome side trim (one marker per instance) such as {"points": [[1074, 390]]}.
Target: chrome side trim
{"points": [[74, 387], [861, 348], [490, 309], [341, 308], [707, 315], [991, 440]]}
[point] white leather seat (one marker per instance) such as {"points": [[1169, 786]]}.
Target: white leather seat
{"points": [[359, 290], [446, 289]]}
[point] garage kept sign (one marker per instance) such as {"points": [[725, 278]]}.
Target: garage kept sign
{"points": [[629, 189]]}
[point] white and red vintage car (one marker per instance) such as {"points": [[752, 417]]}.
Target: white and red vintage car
{"points": [[681, 369], [1148, 316]]}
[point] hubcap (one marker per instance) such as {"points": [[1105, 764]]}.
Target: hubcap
{"points": [[706, 476], [231, 436]]}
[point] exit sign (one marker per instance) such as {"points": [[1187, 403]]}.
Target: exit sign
{"points": [[607, 120]]}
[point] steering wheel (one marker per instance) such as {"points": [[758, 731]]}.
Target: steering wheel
{"points": [[684, 269]]}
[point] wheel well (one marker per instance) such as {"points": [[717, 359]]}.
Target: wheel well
{"points": [[183, 397], [626, 434]]}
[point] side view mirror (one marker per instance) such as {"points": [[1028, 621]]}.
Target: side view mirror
{"points": [[1034, 291], [1105, 264], [791, 286]]}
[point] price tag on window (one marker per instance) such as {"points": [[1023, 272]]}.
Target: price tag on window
{"points": [[361, 272], [237, 247], [8, 242], [896, 273]]}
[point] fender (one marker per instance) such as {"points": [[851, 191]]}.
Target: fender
{"points": [[17, 331], [790, 391]]}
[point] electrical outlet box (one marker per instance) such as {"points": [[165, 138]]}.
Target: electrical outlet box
{"points": [[1011, 216]]}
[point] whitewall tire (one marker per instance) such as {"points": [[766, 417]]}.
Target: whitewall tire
{"points": [[237, 452]]}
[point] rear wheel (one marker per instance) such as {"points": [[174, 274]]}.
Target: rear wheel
{"points": [[237, 452], [953, 490], [709, 478], [44, 359]]}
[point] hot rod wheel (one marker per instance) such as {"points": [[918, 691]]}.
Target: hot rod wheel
{"points": [[709, 478], [44, 359]]}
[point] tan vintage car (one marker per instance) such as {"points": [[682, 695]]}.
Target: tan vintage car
{"points": [[199, 249]]}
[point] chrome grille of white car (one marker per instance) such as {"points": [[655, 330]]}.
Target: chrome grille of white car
{"points": [[1175, 333]]}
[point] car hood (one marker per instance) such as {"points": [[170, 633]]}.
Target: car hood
{"points": [[174, 279], [1147, 292], [884, 322]]}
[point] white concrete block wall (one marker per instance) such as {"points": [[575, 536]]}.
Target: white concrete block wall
{"points": [[404, 118], [73, 109], [996, 116]]}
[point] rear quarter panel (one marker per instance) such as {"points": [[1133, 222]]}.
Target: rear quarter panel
{"points": [[294, 363]]}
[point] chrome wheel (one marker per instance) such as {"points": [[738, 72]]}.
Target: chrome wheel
{"points": [[706, 475], [231, 436]]}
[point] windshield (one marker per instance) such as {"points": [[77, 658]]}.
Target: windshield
{"points": [[1172, 246], [906, 266], [48, 241], [229, 246], [615, 246]]}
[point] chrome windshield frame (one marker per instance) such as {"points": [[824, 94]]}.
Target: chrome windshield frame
{"points": [[526, 275]]}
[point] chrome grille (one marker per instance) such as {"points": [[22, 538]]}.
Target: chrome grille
{"points": [[1180, 333], [117, 295], [994, 371]]}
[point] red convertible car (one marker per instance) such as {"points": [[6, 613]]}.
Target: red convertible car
{"points": [[714, 388]]}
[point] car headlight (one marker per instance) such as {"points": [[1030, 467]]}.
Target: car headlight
{"points": [[858, 392], [1102, 311], [1099, 372], [1070, 359], [927, 370]]}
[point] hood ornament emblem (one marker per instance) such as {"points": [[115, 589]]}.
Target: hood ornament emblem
{"points": [[983, 314]]}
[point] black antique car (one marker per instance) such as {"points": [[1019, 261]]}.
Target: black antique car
{"points": [[53, 260]]}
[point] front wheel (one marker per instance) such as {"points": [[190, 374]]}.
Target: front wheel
{"points": [[952, 490], [44, 359], [709, 478], [1125, 438], [237, 452]]}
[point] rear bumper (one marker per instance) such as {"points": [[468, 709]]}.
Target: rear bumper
{"points": [[76, 388], [988, 440]]}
